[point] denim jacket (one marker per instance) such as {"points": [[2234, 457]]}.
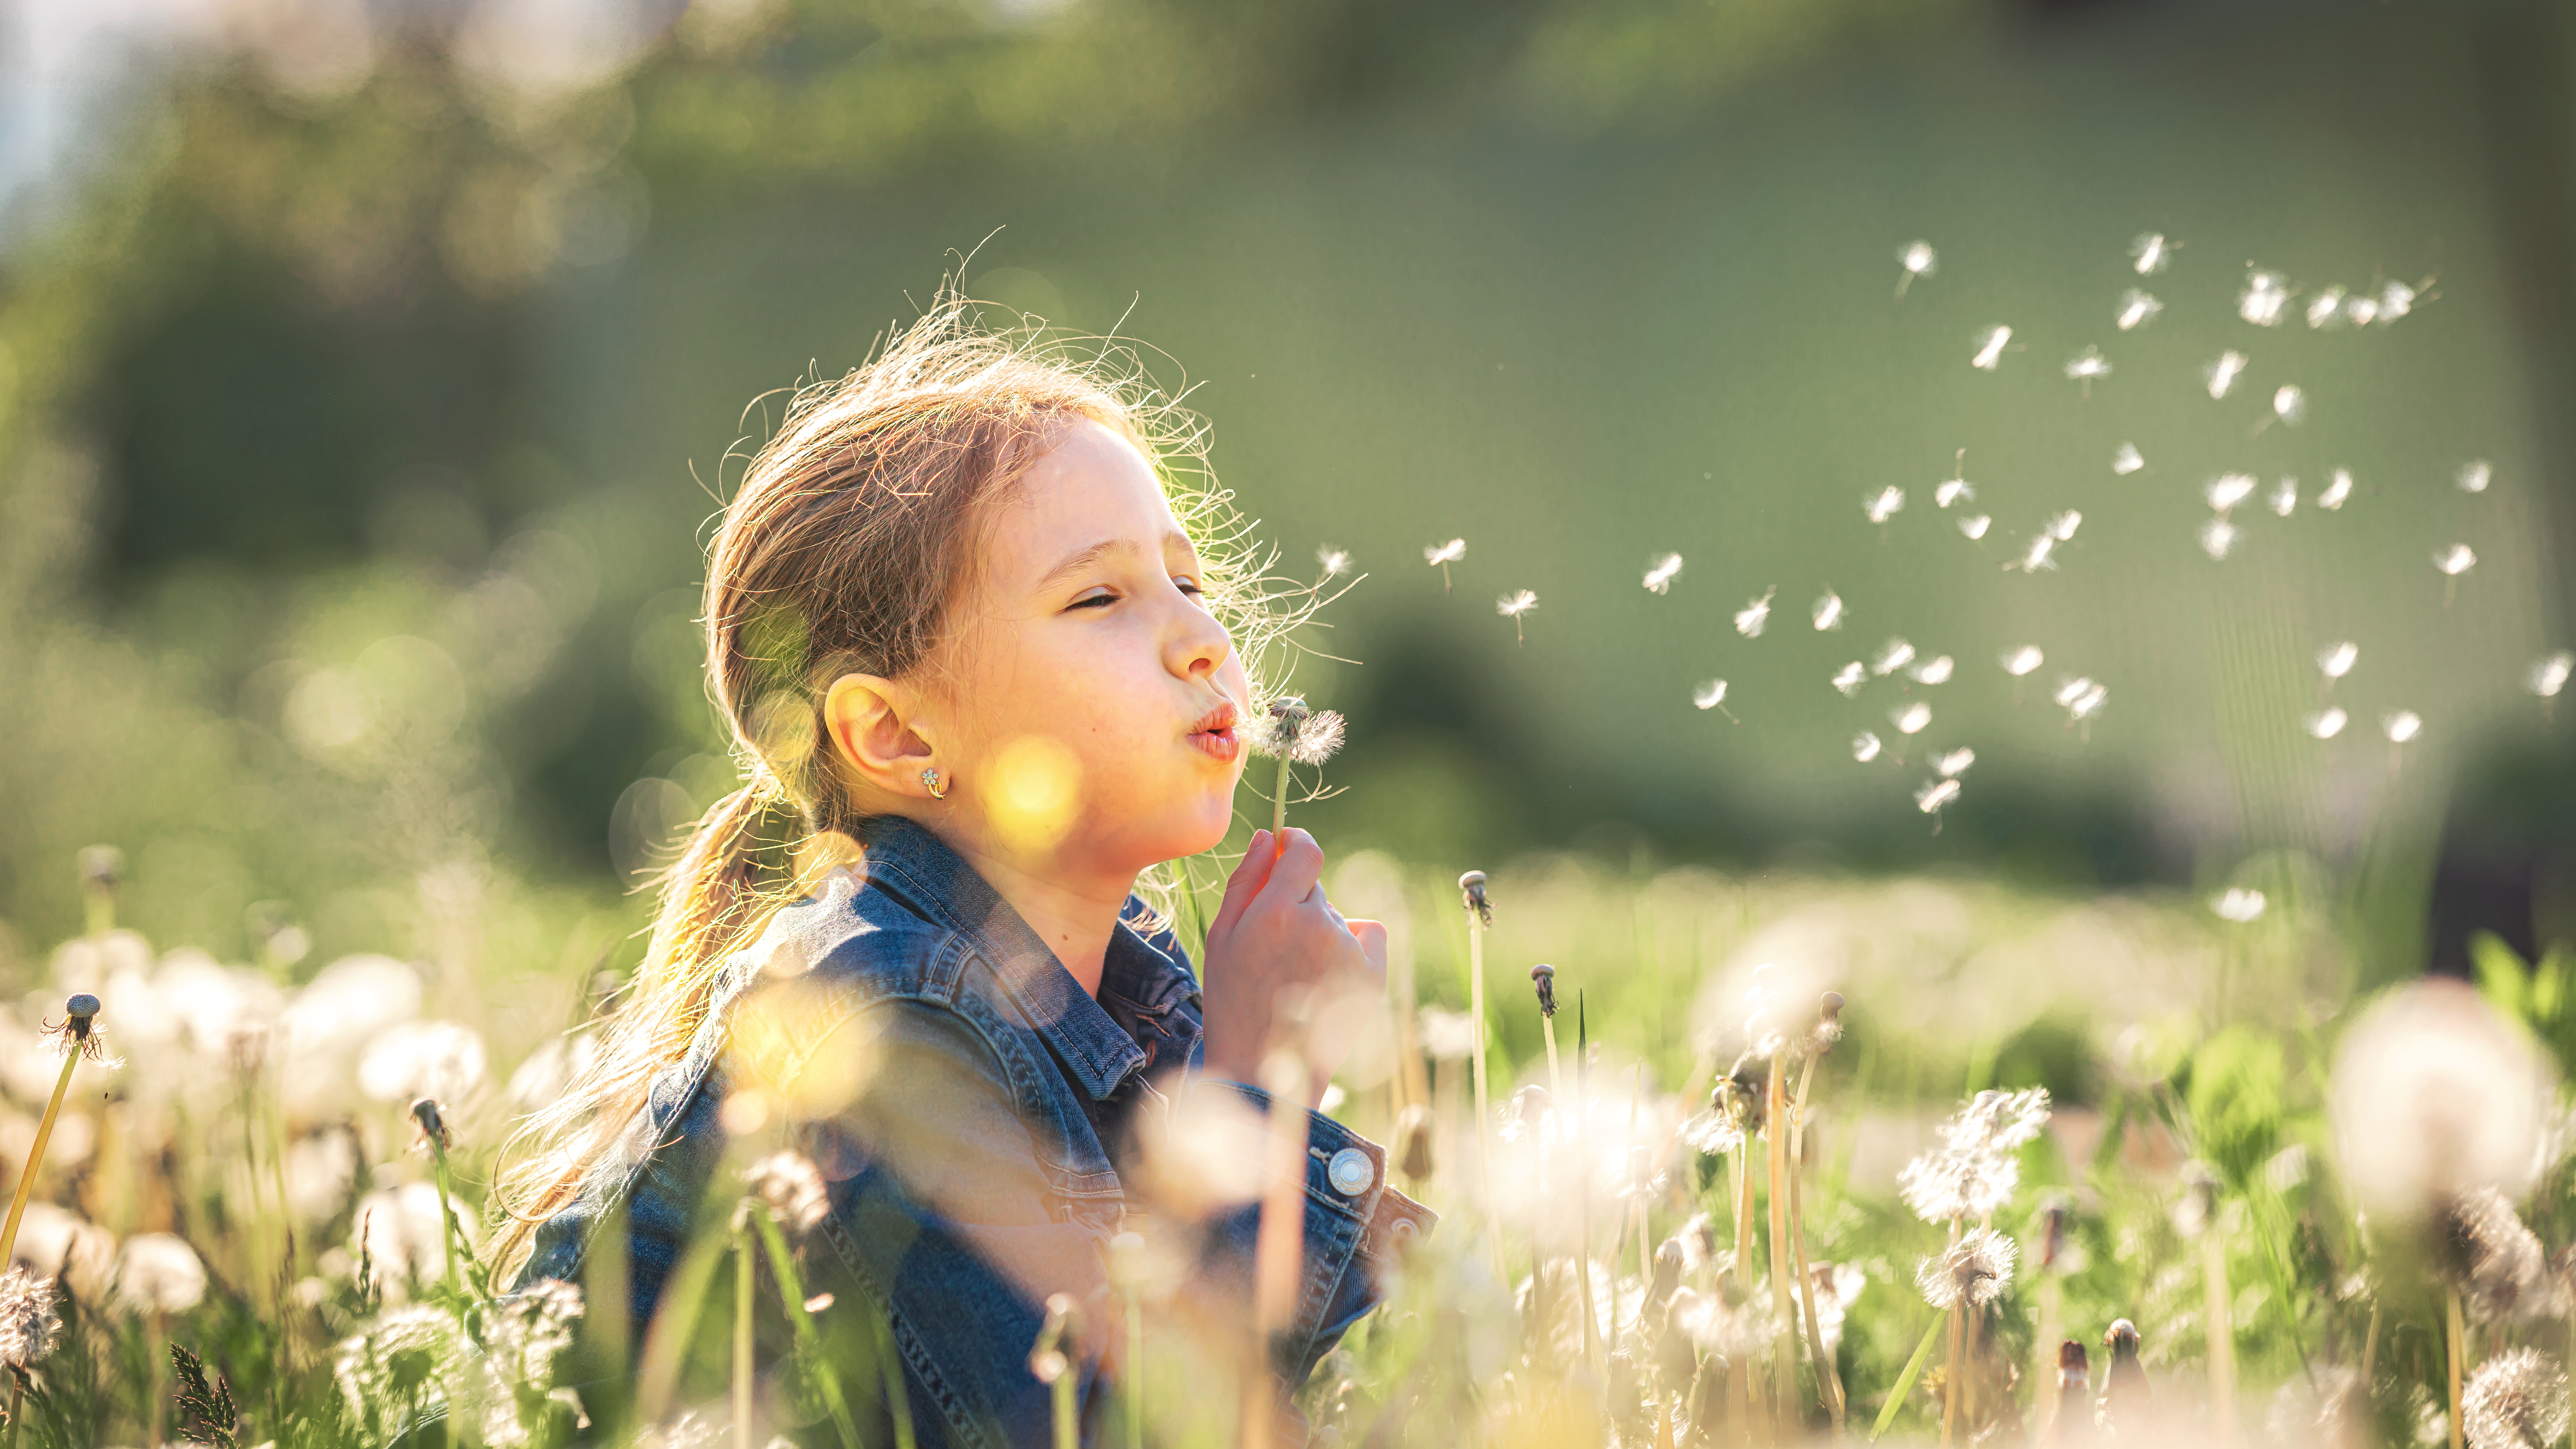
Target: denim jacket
{"points": [[980, 1161]]}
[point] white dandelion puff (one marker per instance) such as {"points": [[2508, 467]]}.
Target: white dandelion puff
{"points": [[2456, 560], [1934, 794], [1911, 719], [1750, 619], [1990, 348], [1710, 695], [2290, 403], [1660, 576], [2036, 556], [1894, 655], [2217, 537], [2151, 252], [1851, 677], [2395, 301], [2062, 526], [2338, 488], [2222, 374], [2137, 309], [2264, 298], [2019, 662], [1828, 612], [1955, 763], [1884, 504], [2336, 660], [2476, 475], [1935, 670], [2401, 726], [2514, 1400], [2239, 904], [2087, 365], [2550, 675], [2127, 460], [1335, 561], [1918, 259], [2327, 723], [2325, 309], [1975, 525], [2227, 490], [1865, 747]]}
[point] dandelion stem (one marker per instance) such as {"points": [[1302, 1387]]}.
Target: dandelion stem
{"points": [[1593, 1356], [1829, 1381], [1950, 1375], [2222, 1336], [447, 1227], [742, 1330], [1775, 1142], [35, 1157], [1741, 1371], [2458, 1347], [1279, 806], [1484, 1129]]}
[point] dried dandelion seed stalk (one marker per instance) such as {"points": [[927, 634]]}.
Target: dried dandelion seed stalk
{"points": [[1480, 915], [78, 1039], [1827, 1030]]}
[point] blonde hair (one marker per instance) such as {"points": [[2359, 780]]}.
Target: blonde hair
{"points": [[854, 528]]}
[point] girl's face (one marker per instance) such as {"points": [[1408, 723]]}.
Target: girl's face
{"points": [[1088, 709]]}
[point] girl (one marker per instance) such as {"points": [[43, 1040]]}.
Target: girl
{"points": [[967, 619]]}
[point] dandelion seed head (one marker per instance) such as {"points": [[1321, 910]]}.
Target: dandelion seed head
{"points": [[2456, 560], [1933, 794], [1288, 730], [158, 1273], [1947, 1185], [1445, 553], [2336, 660], [1918, 258], [1894, 655], [2285, 497], [2222, 374], [2435, 1092], [2290, 403], [2021, 661], [2474, 476], [2127, 460], [2498, 1266], [1975, 525], [1990, 348], [2396, 300], [2137, 309], [1884, 504], [2228, 489], [1935, 670], [1712, 1132], [413, 1059], [2327, 723], [1828, 611], [1661, 573], [1710, 695], [2515, 1400], [1971, 1273], [2401, 726], [1750, 619], [2062, 526], [1956, 762], [1911, 719], [1865, 747], [1335, 561], [2239, 904], [29, 1317], [2151, 252], [1851, 677], [2338, 488], [791, 1187], [2550, 675], [2325, 309], [2088, 365], [2217, 538]]}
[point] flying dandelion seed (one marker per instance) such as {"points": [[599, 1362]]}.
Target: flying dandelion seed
{"points": [[2401, 726], [1750, 619], [2070, 690], [1990, 348], [1955, 763], [2336, 660], [1918, 260], [2284, 498], [2337, 489], [1865, 747], [1659, 577], [2327, 723], [2062, 526], [2227, 490], [2238, 904], [2456, 560], [1828, 612], [1710, 695], [2222, 374], [1336, 562], [2325, 309], [2151, 252], [2395, 301], [1934, 794], [2087, 365], [2089, 703], [2036, 556], [2362, 310], [1514, 606], [2290, 403], [1911, 719], [2023, 660], [2137, 309], [2127, 461], [2264, 298], [1892, 656], [1442, 555], [1884, 504], [1975, 525], [2475, 476], [2217, 537], [1935, 670], [1851, 677], [2550, 675], [1956, 487]]}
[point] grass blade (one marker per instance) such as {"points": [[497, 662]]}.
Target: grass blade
{"points": [[1905, 1380]]}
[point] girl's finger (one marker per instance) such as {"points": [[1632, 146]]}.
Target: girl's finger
{"points": [[1300, 865], [1249, 875], [1372, 939]]}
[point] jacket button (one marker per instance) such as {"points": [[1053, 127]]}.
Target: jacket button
{"points": [[1351, 1172]]}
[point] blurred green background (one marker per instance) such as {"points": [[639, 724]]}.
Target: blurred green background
{"points": [[369, 373]]}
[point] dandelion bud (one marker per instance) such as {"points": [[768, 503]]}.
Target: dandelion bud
{"points": [[2052, 1241], [82, 1009], [1047, 1359], [1413, 1138], [1471, 889], [2074, 1366], [1829, 1024], [432, 1121], [1543, 976]]}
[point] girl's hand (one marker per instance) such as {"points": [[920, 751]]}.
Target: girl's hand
{"points": [[1275, 938]]}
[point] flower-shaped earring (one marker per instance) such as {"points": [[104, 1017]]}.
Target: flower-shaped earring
{"points": [[930, 780]]}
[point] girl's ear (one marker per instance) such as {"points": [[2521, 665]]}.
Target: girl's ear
{"points": [[877, 730]]}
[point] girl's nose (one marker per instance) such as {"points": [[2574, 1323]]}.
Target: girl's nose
{"points": [[1199, 646]]}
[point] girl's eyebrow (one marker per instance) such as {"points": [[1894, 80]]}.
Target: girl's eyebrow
{"points": [[1081, 559]]}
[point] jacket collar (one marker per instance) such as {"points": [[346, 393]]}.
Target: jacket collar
{"points": [[908, 859]]}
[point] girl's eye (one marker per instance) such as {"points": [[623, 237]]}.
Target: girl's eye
{"points": [[1093, 601], [1187, 584]]}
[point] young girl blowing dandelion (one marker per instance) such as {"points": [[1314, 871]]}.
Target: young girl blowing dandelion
{"points": [[968, 621]]}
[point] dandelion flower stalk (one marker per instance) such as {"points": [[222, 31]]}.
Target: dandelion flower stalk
{"points": [[1775, 1142], [433, 1130], [1127, 1269], [1543, 977], [2456, 1343], [1828, 1030], [809, 1344], [742, 1365], [2221, 1319], [1051, 1365], [76, 1038], [1480, 914], [1296, 735], [1593, 1354]]}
